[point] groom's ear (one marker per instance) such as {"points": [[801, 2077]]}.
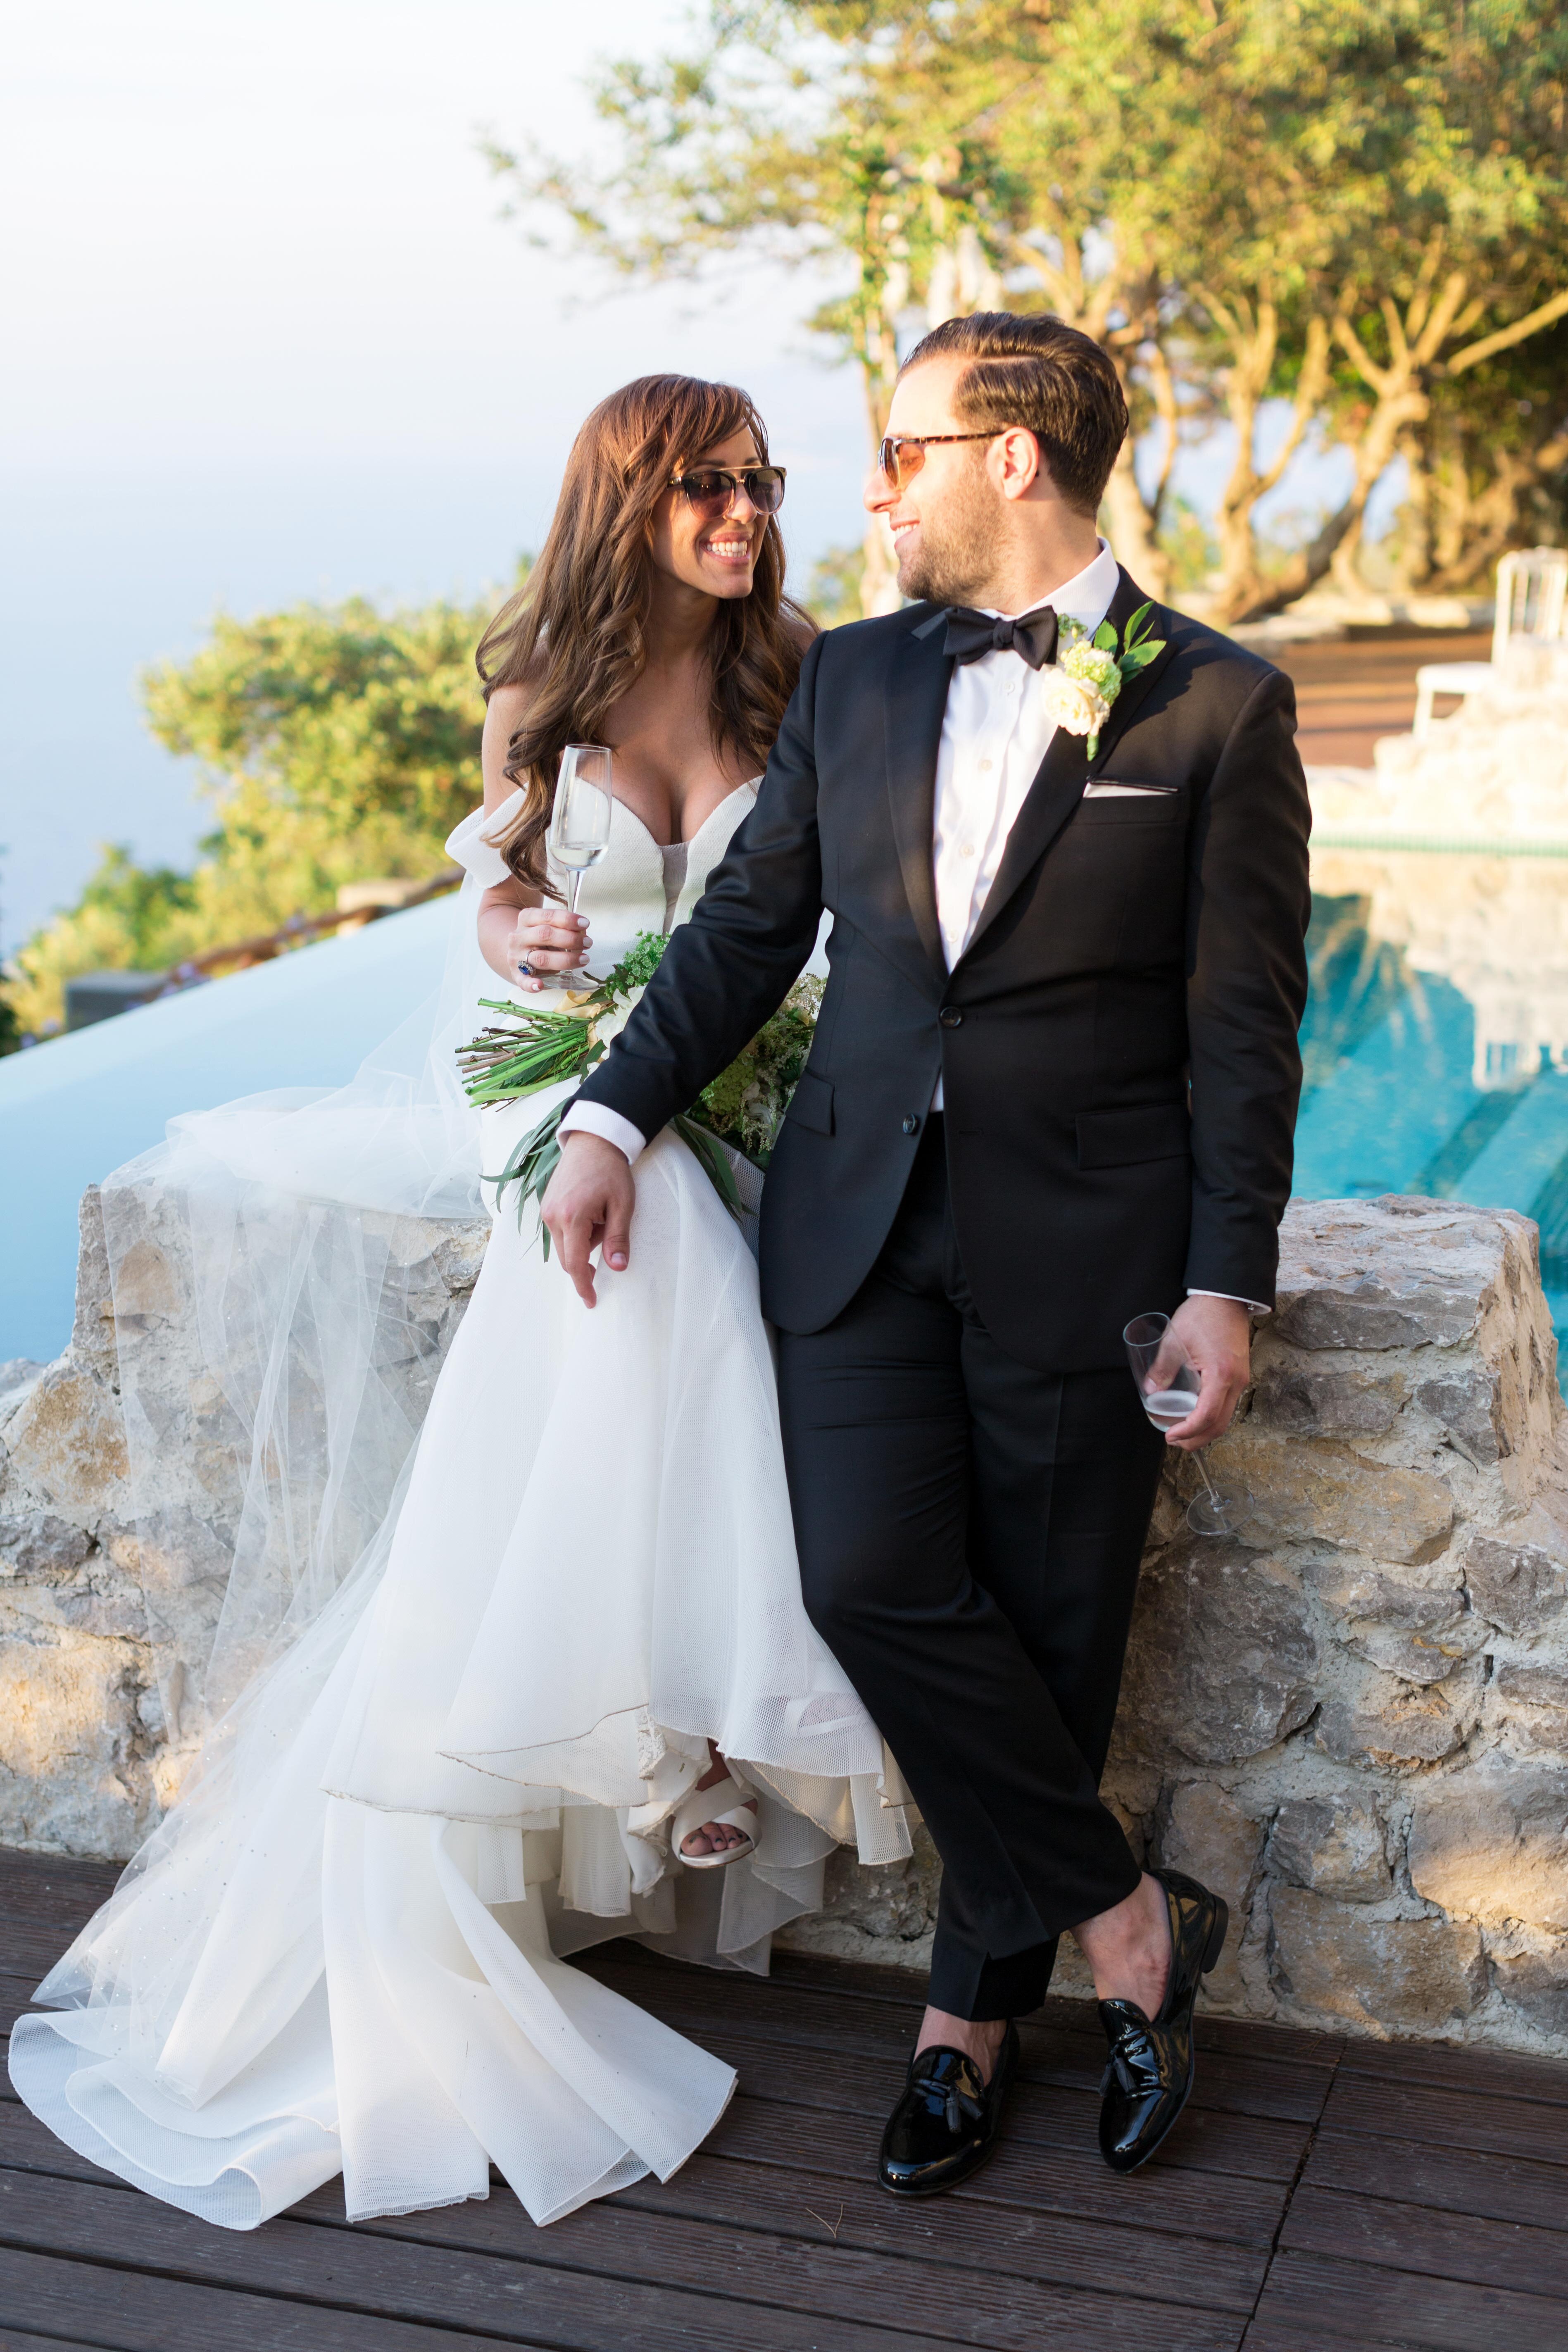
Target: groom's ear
{"points": [[1016, 465]]}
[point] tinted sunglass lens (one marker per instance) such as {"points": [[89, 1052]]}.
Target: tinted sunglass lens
{"points": [[710, 490], [765, 488]]}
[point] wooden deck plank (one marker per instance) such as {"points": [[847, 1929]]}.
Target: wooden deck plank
{"points": [[1361, 2302], [1435, 2117], [541, 2300], [72, 2302], [765, 2011], [1046, 2115], [1014, 2240], [11, 2342], [1348, 694], [1444, 2180], [1164, 2195], [1488, 2071], [1442, 2245]]}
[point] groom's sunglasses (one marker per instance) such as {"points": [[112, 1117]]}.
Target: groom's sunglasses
{"points": [[902, 455], [711, 489]]}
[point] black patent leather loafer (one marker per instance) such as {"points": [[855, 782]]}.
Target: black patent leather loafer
{"points": [[1148, 2079], [945, 2125]]}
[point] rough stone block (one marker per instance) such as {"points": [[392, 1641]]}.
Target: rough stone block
{"points": [[1283, 1488], [1215, 1840], [1492, 1844], [1297, 1396], [1517, 1579], [1531, 1973], [1531, 1705], [66, 1443], [1466, 1402], [1372, 1972], [886, 1914], [70, 1779], [1394, 1272], [1334, 1845], [1222, 1662], [1378, 1720]]}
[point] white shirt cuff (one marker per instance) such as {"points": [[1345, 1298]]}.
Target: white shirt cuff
{"points": [[1257, 1308], [597, 1119]]}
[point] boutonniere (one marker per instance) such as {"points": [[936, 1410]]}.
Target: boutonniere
{"points": [[1086, 677]]}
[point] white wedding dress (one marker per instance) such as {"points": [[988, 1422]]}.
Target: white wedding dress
{"points": [[345, 1949]]}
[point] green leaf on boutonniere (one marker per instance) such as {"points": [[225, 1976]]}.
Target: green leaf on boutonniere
{"points": [[1104, 638], [1139, 657]]}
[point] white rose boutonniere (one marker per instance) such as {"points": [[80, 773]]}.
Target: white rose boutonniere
{"points": [[1087, 675]]}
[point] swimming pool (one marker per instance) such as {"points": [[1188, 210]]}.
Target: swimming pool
{"points": [[1436, 1041]]}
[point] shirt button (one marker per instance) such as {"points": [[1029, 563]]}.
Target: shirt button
{"points": [[985, 767], [966, 849], [911, 1124]]}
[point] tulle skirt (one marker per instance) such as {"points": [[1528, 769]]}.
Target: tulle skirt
{"points": [[346, 1948]]}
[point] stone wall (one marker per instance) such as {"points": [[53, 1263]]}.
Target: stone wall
{"points": [[1351, 1715]]}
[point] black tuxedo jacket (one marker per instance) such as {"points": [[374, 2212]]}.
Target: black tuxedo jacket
{"points": [[1117, 1043]]}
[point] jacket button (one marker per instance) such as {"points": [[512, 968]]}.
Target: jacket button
{"points": [[951, 1017], [911, 1124]]}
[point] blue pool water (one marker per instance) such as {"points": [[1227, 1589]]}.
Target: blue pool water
{"points": [[1436, 1041]]}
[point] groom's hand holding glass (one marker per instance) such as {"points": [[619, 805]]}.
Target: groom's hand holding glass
{"points": [[1214, 1335], [588, 1206]]}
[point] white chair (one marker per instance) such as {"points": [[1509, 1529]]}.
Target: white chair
{"points": [[1530, 589]]}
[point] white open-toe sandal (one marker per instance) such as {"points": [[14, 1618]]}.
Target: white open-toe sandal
{"points": [[705, 1805]]}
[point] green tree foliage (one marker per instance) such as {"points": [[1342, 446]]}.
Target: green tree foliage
{"points": [[337, 743], [1358, 205]]}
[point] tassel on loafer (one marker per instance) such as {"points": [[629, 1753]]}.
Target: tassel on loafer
{"points": [[945, 2125], [1147, 2078]]}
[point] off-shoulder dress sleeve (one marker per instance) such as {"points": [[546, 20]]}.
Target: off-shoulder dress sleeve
{"points": [[471, 845]]}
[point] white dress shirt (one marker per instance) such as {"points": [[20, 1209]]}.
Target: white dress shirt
{"points": [[996, 731]]}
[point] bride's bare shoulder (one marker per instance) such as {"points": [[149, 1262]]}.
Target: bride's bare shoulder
{"points": [[503, 716]]}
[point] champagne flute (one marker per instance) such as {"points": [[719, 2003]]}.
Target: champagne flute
{"points": [[1169, 1388], [579, 820]]}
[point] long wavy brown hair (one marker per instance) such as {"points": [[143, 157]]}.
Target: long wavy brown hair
{"points": [[574, 634]]}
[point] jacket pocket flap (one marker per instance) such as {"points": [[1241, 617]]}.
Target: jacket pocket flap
{"points": [[1116, 1139], [812, 1104]]}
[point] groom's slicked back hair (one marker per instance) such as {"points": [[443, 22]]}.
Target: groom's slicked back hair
{"points": [[1028, 368]]}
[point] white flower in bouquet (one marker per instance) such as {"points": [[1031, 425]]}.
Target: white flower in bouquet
{"points": [[610, 1025]]}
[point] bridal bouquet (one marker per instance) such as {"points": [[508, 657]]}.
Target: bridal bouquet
{"points": [[742, 1111]]}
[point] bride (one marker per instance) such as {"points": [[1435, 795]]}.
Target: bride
{"points": [[543, 1677]]}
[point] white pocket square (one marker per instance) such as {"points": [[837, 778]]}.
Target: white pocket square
{"points": [[1092, 792]]}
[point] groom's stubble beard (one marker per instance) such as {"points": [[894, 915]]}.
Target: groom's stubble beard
{"points": [[959, 544]]}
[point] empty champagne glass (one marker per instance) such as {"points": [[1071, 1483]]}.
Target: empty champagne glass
{"points": [[580, 822], [1169, 1387]]}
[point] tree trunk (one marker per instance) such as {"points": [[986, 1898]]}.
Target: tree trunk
{"points": [[1131, 525]]}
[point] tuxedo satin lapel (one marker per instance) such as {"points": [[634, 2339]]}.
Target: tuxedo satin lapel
{"points": [[1066, 769], [917, 700]]}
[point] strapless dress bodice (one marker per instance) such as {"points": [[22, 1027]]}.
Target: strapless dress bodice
{"points": [[640, 884]]}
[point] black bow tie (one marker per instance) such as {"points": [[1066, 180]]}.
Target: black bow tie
{"points": [[970, 635]]}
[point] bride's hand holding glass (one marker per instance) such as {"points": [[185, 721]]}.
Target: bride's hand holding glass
{"points": [[548, 945]]}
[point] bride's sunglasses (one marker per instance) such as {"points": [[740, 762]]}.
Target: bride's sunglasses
{"points": [[711, 489], [902, 455]]}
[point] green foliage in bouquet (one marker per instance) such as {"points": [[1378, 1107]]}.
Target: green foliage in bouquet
{"points": [[742, 1111]]}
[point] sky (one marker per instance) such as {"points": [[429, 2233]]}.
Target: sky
{"points": [[271, 338], [276, 340]]}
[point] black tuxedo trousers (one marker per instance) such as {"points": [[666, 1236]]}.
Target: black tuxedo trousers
{"points": [[969, 1530]]}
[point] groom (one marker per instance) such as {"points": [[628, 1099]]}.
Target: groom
{"points": [[1053, 1087]]}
